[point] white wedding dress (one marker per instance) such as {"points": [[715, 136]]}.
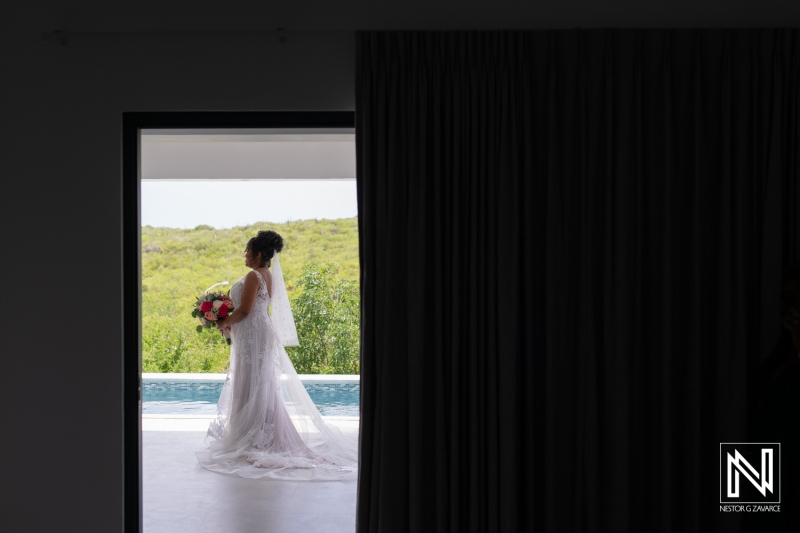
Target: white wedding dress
{"points": [[267, 425]]}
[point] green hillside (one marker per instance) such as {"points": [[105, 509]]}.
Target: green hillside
{"points": [[178, 265]]}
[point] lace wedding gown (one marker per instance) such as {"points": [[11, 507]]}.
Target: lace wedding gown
{"points": [[267, 425]]}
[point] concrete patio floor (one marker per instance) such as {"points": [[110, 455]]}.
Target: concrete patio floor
{"points": [[180, 496]]}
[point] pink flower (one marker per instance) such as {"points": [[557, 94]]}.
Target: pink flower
{"points": [[222, 311], [206, 306], [210, 316]]}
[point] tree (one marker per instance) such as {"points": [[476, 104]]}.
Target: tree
{"points": [[326, 314]]}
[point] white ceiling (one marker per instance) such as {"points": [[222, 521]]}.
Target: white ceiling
{"points": [[199, 155], [346, 135]]}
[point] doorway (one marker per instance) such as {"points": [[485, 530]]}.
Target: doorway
{"points": [[182, 123]]}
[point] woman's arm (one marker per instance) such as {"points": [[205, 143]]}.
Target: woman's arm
{"points": [[249, 293]]}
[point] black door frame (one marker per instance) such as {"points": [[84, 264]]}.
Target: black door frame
{"points": [[132, 124]]}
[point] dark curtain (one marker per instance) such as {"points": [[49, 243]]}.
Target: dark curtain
{"points": [[571, 250]]}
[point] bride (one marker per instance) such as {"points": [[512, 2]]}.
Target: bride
{"points": [[267, 425]]}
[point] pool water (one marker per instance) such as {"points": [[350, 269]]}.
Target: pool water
{"points": [[332, 399]]}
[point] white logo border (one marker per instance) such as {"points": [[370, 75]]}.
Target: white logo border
{"points": [[780, 464]]}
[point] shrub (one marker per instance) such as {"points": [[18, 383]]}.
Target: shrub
{"points": [[327, 319]]}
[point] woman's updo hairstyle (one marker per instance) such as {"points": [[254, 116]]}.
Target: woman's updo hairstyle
{"points": [[266, 243]]}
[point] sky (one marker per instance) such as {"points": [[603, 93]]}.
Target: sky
{"points": [[224, 205]]}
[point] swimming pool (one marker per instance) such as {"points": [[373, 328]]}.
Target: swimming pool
{"points": [[197, 394]]}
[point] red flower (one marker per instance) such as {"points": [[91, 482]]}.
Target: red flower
{"points": [[206, 306], [222, 311]]}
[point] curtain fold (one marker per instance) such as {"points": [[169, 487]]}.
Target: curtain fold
{"points": [[571, 247]]}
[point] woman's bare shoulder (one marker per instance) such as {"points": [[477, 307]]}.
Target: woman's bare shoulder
{"points": [[266, 275], [251, 278]]}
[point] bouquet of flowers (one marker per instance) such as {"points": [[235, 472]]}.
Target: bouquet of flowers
{"points": [[210, 307]]}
